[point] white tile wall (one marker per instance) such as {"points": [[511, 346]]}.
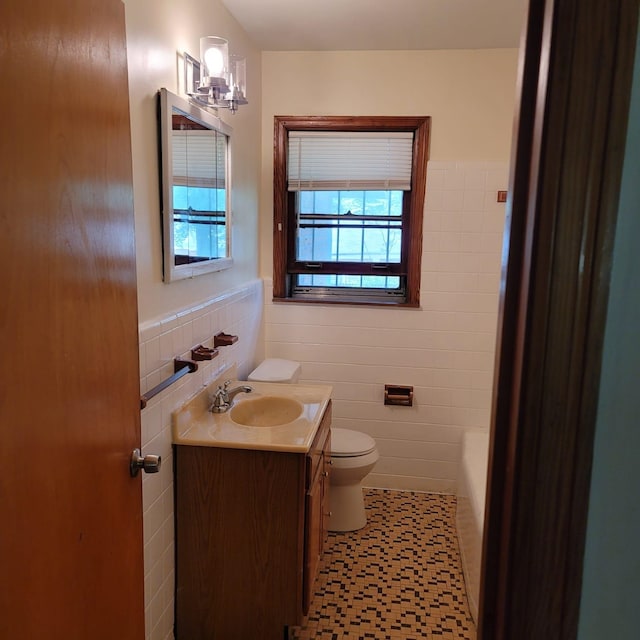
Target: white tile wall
{"points": [[237, 312], [445, 349]]}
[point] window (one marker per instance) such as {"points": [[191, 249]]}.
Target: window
{"points": [[348, 207], [199, 193]]}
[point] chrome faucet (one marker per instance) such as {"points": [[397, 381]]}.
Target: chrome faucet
{"points": [[223, 396]]}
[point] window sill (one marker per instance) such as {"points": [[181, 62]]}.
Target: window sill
{"points": [[360, 302]]}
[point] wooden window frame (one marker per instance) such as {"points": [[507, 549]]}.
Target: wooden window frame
{"points": [[282, 202]]}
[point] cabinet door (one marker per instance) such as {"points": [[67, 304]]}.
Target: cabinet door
{"points": [[316, 513], [316, 508], [314, 538], [238, 543], [325, 506]]}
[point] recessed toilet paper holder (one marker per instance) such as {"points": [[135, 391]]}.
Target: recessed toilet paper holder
{"points": [[399, 395]]}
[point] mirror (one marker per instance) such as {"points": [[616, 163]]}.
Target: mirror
{"points": [[194, 157]]}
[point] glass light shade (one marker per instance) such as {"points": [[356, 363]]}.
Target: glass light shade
{"points": [[238, 76], [214, 57]]}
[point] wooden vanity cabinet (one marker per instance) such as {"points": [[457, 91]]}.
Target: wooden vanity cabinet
{"points": [[250, 529]]}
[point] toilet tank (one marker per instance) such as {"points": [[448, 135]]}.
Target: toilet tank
{"points": [[276, 370]]}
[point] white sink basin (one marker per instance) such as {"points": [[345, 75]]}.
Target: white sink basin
{"points": [[266, 411], [273, 417]]}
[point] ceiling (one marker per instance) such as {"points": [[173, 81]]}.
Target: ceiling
{"points": [[335, 25]]}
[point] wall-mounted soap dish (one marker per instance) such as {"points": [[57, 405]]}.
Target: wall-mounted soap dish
{"points": [[203, 353], [224, 339]]}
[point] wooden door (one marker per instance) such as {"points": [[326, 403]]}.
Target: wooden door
{"points": [[70, 514], [575, 79]]}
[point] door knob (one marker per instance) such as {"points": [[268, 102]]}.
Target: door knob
{"points": [[148, 463]]}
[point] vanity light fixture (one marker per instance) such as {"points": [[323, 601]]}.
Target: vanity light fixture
{"points": [[218, 79]]}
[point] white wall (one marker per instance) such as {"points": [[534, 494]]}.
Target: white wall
{"points": [[157, 31], [446, 348], [175, 317]]}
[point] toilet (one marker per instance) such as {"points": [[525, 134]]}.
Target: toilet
{"points": [[353, 455]]}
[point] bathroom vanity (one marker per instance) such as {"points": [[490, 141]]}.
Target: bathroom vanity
{"points": [[251, 516]]}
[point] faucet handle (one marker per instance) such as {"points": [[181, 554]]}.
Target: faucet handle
{"points": [[222, 388], [220, 392], [220, 399]]}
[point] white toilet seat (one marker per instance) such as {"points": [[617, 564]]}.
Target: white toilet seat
{"points": [[354, 462], [353, 456], [346, 443]]}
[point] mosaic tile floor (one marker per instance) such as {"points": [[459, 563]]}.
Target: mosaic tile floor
{"points": [[399, 578]]}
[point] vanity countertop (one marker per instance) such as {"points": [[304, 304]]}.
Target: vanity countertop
{"points": [[195, 425]]}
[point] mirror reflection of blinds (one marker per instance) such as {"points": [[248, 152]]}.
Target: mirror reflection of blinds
{"points": [[199, 159], [349, 160]]}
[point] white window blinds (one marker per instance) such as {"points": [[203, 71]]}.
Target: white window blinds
{"points": [[199, 158], [348, 160]]}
